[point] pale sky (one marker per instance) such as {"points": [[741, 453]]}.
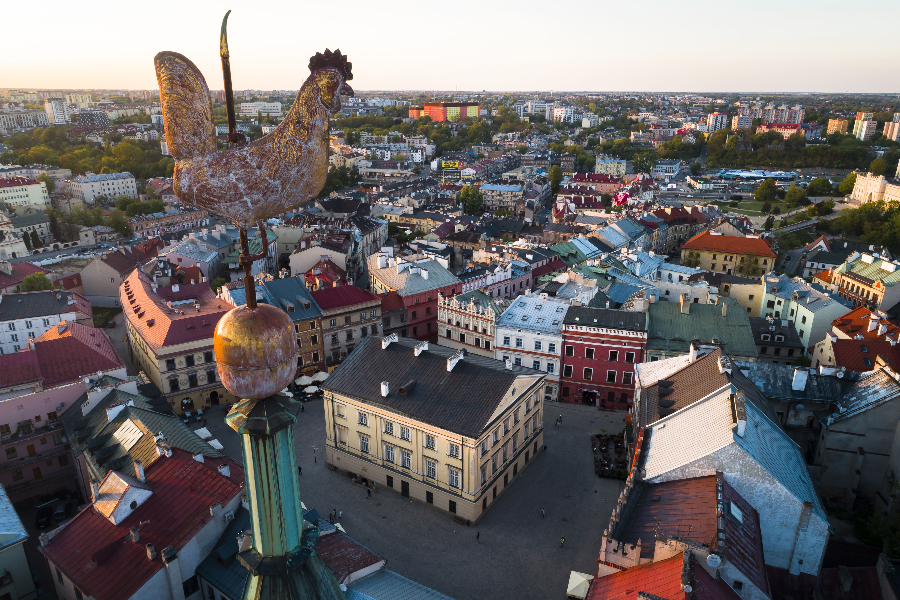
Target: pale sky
{"points": [[652, 45]]}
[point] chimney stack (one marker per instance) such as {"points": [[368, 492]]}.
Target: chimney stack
{"points": [[151, 552], [135, 534], [685, 304], [385, 389], [139, 471], [224, 470]]}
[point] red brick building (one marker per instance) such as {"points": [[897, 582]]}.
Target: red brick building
{"points": [[600, 347]]}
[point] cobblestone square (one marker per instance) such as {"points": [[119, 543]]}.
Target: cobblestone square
{"points": [[518, 554]]}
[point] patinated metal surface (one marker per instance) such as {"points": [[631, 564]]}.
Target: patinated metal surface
{"points": [[256, 351], [250, 182]]}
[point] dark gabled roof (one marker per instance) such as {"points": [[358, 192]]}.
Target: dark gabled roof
{"points": [[762, 326], [461, 401], [342, 296], [606, 317], [28, 305]]}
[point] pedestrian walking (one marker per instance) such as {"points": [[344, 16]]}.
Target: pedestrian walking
{"points": [[333, 514], [315, 449], [299, 470], [562, 541], [478, 537], [368, 493], [340, 514], [543, 513]]}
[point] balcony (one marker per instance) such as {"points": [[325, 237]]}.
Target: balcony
{"points": [[21, 435]]}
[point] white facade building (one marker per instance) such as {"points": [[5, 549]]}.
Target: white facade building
{"points": [[716, 121], [87, 187], [57, 111], [29, 315], [24, 191], [741, 122], [529, 333], [251, 109]]}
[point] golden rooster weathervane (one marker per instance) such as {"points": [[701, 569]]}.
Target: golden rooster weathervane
{"points": [[248, 183]]}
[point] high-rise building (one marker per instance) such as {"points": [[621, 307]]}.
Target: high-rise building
{"points": [[93, 118], [716, 121], [892, 130], [859, 124], [251, 109], [741, 122], [57, 111], [837, 126], [864, 130], [79, 100], [452, 111], [415, 112]]}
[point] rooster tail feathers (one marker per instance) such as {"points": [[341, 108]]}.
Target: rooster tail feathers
{"points": [[186, 107]]}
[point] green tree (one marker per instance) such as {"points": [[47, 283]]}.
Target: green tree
{"points": [[770, 222], [218, 282], [606, 200], [116, 219], [643, 162], [846, 186], [27, 239], [767, 207], [472, 199], [51, 185], [695, 169], [691, 259], [820, 186], [36, 282], [556, 176], [795, 196], [35, 240], [878, 166], [765, 192]]}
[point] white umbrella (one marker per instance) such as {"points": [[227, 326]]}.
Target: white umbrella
{"points": [[320, 376], [579, 583], [305, 380], [311, 389]]}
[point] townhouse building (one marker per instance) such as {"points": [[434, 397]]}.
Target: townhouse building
{"points": [[394, 315], [155, 224], [501, 196], [436, 425], [600, 348], [111, 185], [349, 315], [24, 191], [25, 316], [36, 385], [32, 221], [734, 255], [104, 275], [170, 334], [418, 281], [468, 321], [614, 167], [529, 333]]}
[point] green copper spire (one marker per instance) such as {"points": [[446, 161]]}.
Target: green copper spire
{"points": [[282, 559]]}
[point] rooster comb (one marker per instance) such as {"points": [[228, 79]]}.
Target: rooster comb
{"points": [[332, 60]]}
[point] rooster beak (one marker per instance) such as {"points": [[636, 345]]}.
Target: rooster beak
{"points": [[346, 90]]}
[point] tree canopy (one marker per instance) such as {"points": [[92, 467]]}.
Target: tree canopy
{"points": [[36, 282], [472, 199]]}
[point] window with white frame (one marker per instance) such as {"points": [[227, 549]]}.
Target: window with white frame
{"points": [[388, 453], [388, 428], [589, 353], [341, 434], [506, 340], [429, 442], [610, 377], [629, 357], [430, 468], [405, 459], [363, 419], [551, 367], [453, 477], [588, 374], [627, 378], [536, 365], [363, 443], [453, 450], [613, 355], [537, 345], [404, 433], [520, 343]]}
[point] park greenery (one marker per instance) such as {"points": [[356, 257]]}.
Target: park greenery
{"points": [[51, 146], [36, 282], [876, 223], [472, 199]]}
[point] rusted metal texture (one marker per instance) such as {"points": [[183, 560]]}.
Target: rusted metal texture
{"points": [[256, 351], [250, 182]]}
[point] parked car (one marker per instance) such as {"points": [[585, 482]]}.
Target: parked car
{"points": [[111, 324], [63, 510]]}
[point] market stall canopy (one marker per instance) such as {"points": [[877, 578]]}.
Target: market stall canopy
{"points": [[578, 585], [320, 376], [305, 380], [311, 389]]}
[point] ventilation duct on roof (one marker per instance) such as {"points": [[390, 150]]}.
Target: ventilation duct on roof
{"points": [[407, 388]]}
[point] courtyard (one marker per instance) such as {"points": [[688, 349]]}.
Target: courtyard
{"points": [[518, 554]]}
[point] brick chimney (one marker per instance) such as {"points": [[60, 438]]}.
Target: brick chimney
{"points": [[685, 304]]}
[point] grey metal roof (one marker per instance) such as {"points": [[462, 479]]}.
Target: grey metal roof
{"points": [[387, 585], [28, 305], [606, 317], [408, 284], [873, 389], [775, 382], [194, 251], [461, 401], [672, 331], [535, 313], [221, 567], [808, 297], [29, 220], [12, 531]]}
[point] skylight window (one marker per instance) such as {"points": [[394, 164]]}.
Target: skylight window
{"points": [[736, 512]]}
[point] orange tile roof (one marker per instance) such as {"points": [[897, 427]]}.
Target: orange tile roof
{"points": [[708, 242], [856, 322], [662, 579], [823, 276], [161, 325]]}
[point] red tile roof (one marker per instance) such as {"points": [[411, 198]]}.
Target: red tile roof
{"points": [[856, 322], [391, 301], [161, 326], [849, 354], [344, 555], [69, 351], [707, 588], [823, 275], [708, 242], [19, 272], [19, 368], [661, 579], [100, 558], [70, 282], [342, 297], [6, 182]]}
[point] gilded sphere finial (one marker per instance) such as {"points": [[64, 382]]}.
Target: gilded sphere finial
{"points": [[256, 351]]}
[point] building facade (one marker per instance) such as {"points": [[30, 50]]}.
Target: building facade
{"points": [[451, 111], [467, 321], [349, 315], [600, 347], [23, 191], [112, 185], [28, 315], [403, 435]]}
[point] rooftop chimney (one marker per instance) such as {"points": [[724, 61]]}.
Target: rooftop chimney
{"points": [[199, 457], [420, 348], [135, 534], [739, 412], [224, 470], [451, 362], [139, 471], [95, 491], [386, 341], [801, 375], [873, 321], [685, 304], [151, 552], [385, 389]]}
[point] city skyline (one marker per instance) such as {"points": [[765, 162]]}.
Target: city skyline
{"points": [[401, 49]]}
